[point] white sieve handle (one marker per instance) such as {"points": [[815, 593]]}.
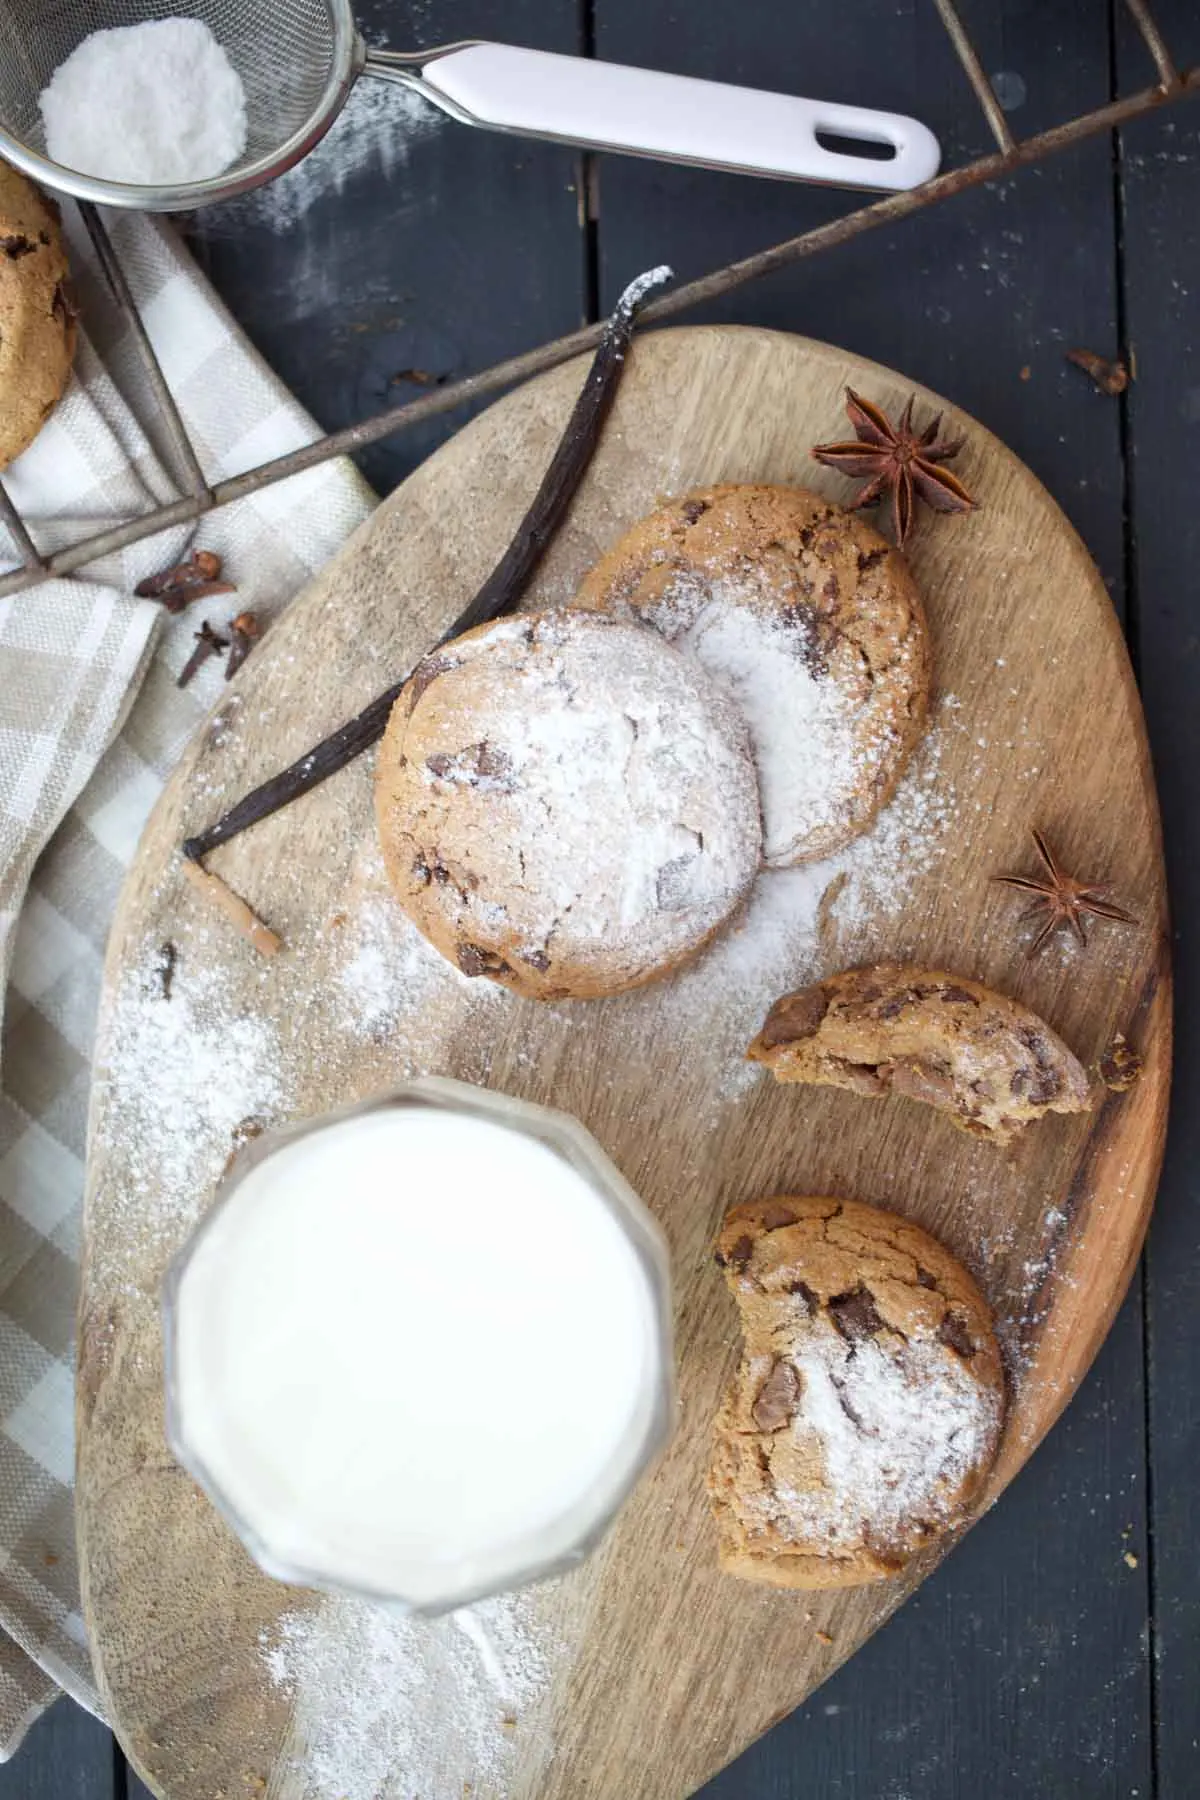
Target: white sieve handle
{"points": [[608, 106]]}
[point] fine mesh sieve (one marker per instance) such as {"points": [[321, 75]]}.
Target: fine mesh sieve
{"points": [[298, 60]]}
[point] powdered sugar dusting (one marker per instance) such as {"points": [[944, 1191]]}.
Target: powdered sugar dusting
{"points": [[377, 126], [391, 971], [182, 1075], [643, 285], [802, 923], [905, 843], [593, 797], [802, 725], [898, 1432], [820, 722], [393, 1708]]}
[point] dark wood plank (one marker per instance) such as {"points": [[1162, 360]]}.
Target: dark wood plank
{"points": [[1160, 175], [440, 249], [1021, 1667], [68, 1755]]}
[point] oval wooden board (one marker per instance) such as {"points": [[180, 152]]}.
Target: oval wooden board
{"points": [[667, 1669]]}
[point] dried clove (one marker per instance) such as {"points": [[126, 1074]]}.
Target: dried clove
{"points": [[178, 586], [419, 378], [500, 593], [1110, 375], [208, 643], [243, 630], [164, 967]]}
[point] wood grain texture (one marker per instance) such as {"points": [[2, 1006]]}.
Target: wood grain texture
{"points": [[670, 1668]]}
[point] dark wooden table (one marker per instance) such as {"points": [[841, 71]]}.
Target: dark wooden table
{"points": [[1058, 1652]]}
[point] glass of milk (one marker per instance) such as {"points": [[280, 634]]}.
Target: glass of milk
{"points": [[419, 1350]]}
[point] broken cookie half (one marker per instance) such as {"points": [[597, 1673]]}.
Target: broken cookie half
{"points": [[866, 1411], [984, 1060]]}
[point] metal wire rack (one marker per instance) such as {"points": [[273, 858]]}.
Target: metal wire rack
{"points": [[198, 496]]}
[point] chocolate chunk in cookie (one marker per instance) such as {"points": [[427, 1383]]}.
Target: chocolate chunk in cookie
{"points": [[985, 1061], [567, 805], [866, 1411]]}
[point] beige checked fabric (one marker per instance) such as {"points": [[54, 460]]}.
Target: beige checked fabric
{"points": [[91, 722]]}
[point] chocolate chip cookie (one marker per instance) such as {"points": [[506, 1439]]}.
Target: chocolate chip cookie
{"points": [[986, 1062], [567, 805], [866, 1410], [814, 624], [37, 320]]}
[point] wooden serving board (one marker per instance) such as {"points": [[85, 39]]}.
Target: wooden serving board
{"points": [[666, 1669]]}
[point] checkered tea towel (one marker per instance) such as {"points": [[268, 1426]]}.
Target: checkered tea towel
{"points": [[91, 722]]}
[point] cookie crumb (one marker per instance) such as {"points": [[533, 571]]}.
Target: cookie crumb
{"points": [[1130, 1560], [1120, 1067], [823, 1637]]}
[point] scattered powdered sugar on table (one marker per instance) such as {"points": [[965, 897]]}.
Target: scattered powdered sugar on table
{"points": [[393, 1708], [799, 923], [181, 1074], [906, 841], [391, 970], [158, 102], [378, 125]]}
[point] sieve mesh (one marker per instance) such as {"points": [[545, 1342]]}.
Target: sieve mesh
{"points": [[285, 51]]}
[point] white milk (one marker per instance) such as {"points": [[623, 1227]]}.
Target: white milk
{"points": [[415, 1354]]}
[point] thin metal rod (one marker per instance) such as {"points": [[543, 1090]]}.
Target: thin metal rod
{"points": [[706, 287], [985, 93], [548, 356], [103, 543], [15, 526], [1155, 42], [115, 276]]}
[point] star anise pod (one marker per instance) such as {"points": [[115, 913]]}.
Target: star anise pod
{"points": [[1061, 898], [897, 462]]}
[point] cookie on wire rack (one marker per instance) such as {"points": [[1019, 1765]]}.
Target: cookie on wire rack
{"points": [[37, 319]]}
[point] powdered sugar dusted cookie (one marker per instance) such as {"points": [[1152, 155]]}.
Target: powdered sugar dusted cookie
{"points": [[812, 621], [567, 804], [866, 1411]]}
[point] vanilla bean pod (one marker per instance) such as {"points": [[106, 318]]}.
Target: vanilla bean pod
{"points": [[499, 594]]}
